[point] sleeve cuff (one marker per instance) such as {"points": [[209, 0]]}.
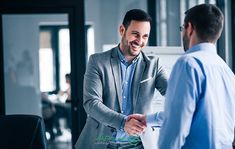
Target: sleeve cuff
{"points": [[156, 119], [123, 123]]}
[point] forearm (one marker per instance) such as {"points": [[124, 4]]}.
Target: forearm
{"points": [[97, 110]]}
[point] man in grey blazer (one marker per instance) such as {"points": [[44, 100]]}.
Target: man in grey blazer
{"points": [[118, 83]]}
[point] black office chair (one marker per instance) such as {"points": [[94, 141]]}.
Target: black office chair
{"points": [[22, 132]]}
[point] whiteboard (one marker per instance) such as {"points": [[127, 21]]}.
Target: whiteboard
{"points": [[167, 58], [167, 55]]}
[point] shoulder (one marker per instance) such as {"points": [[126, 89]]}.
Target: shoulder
{"points": [[101, 56], [189, 64], [150, 59], [189, 60], [154, 64]]}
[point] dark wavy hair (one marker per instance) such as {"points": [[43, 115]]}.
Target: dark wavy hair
{"points": [[137, 15]]}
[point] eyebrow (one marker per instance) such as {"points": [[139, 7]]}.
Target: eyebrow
{"points": [[136, 32]]}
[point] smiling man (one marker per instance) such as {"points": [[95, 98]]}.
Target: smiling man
{"points": [[118, 83]]}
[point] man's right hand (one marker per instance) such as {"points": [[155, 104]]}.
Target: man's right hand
{"points": [[135, 124]]}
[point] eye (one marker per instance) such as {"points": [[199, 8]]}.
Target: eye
{"points": [[136, 34], [146, 36]]}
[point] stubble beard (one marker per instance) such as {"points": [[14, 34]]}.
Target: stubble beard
{"points": [[127, 48]]}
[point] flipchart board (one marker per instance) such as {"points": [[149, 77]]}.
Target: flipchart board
{"points": [[167, 58]]}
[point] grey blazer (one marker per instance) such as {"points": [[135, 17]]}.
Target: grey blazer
{"points": [[102, 95]]}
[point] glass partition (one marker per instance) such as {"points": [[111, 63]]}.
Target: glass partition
{"points": [[37, 70]]}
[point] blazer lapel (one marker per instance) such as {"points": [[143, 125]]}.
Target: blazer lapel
{"points": [[116, 74], [137, 78]]}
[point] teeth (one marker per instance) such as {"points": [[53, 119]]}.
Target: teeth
{"points": [[135, 45]]}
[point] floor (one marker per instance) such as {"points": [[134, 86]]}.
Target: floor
{"points": [[60, 145], [62, 141]]}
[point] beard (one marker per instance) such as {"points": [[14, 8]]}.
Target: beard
{"points": [[185, 42], [127, 47]]}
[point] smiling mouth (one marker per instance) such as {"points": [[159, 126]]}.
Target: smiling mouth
{"points": [[134, 45]]}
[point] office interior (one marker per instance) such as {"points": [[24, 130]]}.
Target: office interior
{"points": [[42, 41]]}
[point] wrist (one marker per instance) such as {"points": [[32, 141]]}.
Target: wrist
{"points": [[123, 123]]}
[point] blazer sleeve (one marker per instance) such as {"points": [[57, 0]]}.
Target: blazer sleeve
{"points": [[161, 79], [92, 97]]}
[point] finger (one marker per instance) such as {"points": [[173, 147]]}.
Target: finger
{"points": [[133, 132], [137, 130], [139, 117], [136, 116], [139, 124], [135, 124], [132, 126]]}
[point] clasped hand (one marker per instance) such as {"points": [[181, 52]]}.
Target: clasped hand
{"points": [[135, 124]]}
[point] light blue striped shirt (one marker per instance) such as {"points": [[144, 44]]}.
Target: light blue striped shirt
{"points": [[200, 102], [127, 73]]}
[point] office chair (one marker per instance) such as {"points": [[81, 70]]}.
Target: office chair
{"points": [[22, 132]]}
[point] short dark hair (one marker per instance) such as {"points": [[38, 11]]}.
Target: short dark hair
{"points": [[207, 20], [137, 15]]}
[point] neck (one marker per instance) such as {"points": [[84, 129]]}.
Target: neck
{"points": [[193, 40], [130, 58], [127, 56]]}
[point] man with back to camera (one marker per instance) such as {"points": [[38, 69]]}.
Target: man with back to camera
{"points": [[200, 98], [120, 82]]}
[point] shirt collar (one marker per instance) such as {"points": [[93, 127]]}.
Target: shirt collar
{"points": [[202, 46]]}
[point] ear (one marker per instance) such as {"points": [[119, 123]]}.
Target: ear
{"points": [[190, 29], [122, 30]]}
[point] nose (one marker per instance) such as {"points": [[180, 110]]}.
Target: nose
{"points": [[140, 40]]}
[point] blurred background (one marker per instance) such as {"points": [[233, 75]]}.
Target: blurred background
{"points": [[45, 46]]}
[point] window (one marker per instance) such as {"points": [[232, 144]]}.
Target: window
{"points": [[46, 63], [54, 57], [64, 56], [170, 16]]}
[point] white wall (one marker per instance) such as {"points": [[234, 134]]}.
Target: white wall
{"points": [[21, 57]]}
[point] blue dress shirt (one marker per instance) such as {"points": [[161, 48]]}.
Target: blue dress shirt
{"points": [[127, 73], [200, 102]]}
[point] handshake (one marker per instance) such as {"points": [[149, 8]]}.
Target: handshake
{"points": [[135, 124]]}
